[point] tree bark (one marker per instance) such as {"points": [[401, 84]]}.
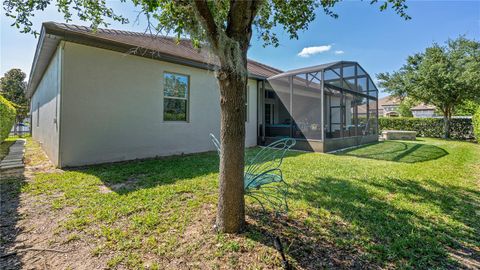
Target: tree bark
{"points": [[231, 203], [230, 45], [446, 124]]}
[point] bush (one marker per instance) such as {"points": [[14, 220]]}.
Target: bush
{"points": [[7, 117], [460, 128], [476, 124]]}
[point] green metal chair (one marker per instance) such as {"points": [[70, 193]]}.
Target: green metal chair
{"points": [[263, 179]]}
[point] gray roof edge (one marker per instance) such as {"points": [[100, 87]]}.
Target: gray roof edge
{"points": [[41, 60], [311, 69], [51, 28]]}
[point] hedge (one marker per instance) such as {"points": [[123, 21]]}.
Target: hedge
{"points": [[460, 128], [476, 124], [7, 117]]}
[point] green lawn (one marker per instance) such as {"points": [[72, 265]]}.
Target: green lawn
{"points": [[388, 205]]}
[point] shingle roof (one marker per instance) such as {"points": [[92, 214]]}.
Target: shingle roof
{"points": [[422, 107], [181, 48], [385, 101], [388, 101], [142, 44]]}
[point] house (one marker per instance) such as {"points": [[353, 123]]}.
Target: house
{"points": [[388, 106], [423, 111], [107, 95]]}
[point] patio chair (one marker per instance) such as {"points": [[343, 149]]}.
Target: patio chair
{"points": [[263, 179]]}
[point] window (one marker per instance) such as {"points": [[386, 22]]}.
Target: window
{"points": [[175, 97], [269, 114], [269, 94]]}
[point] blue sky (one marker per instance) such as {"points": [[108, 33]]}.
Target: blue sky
{"points": [[379, 41]]}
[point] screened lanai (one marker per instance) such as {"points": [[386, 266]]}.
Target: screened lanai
{"points": [[325, 107]]}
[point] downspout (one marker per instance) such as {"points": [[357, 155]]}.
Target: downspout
{"points": [[262, 108], [378, 131], [322, 100], [290, 78]]}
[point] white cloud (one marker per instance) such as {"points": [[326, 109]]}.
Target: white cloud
{"points": [[308, 51], [339, 52]]}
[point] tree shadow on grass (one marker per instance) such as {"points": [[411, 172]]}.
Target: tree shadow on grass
{"points": [[130, 176], [347, 225], [397, 151], [11, 183]]}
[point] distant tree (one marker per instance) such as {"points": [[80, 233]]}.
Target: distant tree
{"points": [[467, 108], [405, 105], [444, 76], [226, 27], [12, 87]]}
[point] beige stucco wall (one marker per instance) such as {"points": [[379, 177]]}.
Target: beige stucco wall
{"points": [[113, 108], [45, 109]]}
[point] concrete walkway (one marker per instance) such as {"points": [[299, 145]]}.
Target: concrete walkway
{"points": [[14, 159]]}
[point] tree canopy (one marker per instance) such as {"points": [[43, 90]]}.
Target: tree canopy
{"points": [[226, 27], [12, 87], [180, 17], [446, 76]]}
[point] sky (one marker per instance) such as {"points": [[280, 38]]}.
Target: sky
{"points": [[379, 41]]}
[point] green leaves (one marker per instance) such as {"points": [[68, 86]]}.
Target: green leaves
{"points": [[7, 117], [93, 11], [12, 87], [476, 124], [180, 17], [445, 76], [460, 128]]}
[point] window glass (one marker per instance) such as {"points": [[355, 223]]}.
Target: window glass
{"points": [[331, 75], [337, 83], [362, 117], [348, 71], [350, 115], [269, 94], [349, 84], [362, 84], [360, 71], [371, 85], [372, 119], [175, 97]]}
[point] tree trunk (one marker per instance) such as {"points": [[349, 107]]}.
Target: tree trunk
{"points": [[231, 210], [230, 45], [446, 125]]}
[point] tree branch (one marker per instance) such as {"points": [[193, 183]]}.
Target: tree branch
{"points": [[208, 21], [240, 19]]}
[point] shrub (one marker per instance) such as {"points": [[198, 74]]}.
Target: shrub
{"points": [[476, 124], [460, 128], [7, 117]]}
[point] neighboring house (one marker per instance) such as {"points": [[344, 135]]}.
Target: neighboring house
{"points": [[388, 106], [423, 111], [110, 95]]}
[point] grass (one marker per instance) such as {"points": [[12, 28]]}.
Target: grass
{"points": [[398, 151], [386, 205], [5, 145]]}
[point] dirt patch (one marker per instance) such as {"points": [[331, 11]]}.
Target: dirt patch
{"points": [[130, 184]]}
